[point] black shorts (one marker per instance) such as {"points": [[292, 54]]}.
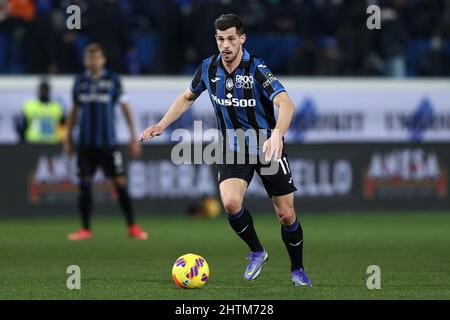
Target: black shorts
{"points": [[109, 159], [278, 184]]}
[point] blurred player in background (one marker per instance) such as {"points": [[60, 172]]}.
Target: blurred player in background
{"points": [[243, 92], [95, 94], [42, 119]]}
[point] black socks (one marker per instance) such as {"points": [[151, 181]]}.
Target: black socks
{"points": [[85, 204], [242, 224], [293, 239], [125, 204]]}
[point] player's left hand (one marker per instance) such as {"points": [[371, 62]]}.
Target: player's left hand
{"points": [[151, 132], [273, 147], [135, 149]]}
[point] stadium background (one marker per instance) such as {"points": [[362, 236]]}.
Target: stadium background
{"points": [[371, 135]]}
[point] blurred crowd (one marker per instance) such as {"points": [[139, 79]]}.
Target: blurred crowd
{"points": [[306, 37]]}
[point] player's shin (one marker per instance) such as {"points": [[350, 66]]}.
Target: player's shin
{"points": [[125, 204], [293, 239], [242, 224], [85, 203]]}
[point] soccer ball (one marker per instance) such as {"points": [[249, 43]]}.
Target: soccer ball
{"points": [[190, 271]]}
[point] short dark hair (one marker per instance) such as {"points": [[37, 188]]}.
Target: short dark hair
{"points": [[93, 47], [229, 20]]}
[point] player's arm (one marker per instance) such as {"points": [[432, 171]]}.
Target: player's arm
{"points": [[273, 147], [71, 120], [178, 107], [135, 148], [286, 112], [273, 90]]}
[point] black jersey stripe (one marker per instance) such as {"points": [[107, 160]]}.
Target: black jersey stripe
{"points": [[251, 111], [105, 128], [115, 94], [212, 71], [248, 94], [269, 112], [97, 125], [233, 115], [198, 77], [231, 111], [266, 103], [261, 78], [93, 118]]}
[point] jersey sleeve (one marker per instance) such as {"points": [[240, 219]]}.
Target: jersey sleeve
{"points": [[197, 84], [268, 83], [118, 95]]}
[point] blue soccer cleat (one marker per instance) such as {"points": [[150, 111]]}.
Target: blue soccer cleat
{"points": [[257, 259], [300, 279]]}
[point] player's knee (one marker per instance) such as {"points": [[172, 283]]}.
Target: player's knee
{"points": [[286, 215], [120, 182], [232, 204], [85, 185]]}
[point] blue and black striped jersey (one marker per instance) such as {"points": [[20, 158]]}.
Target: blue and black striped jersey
{"points": [[241, 100], [95, 101]]}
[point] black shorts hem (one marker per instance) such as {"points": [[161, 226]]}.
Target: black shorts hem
{"points": [[108, 159], [240, 178], [281, 193]]}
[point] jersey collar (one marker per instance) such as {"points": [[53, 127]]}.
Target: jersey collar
{"points": [[244, 62], [88, 73]]}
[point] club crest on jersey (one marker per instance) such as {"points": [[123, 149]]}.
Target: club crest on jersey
{"points": [[244, 82], [229, 84]]}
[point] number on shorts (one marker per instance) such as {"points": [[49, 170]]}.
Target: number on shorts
{"points": [[117, 159], [284, 165]]}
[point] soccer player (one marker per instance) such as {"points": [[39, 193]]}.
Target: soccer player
{"points": [[243, 93], [95, 94]]}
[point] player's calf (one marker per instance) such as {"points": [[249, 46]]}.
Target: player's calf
{"points": [[85, 202]]}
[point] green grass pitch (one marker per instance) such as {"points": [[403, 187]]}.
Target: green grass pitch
{"points": [[412, 250]]}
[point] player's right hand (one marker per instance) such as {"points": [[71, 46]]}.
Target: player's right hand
{"points": [[150, 132]]}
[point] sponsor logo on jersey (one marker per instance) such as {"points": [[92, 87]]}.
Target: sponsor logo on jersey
{"points": [[244, 82], [94, 97], [234, 102], [269, 81]]}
